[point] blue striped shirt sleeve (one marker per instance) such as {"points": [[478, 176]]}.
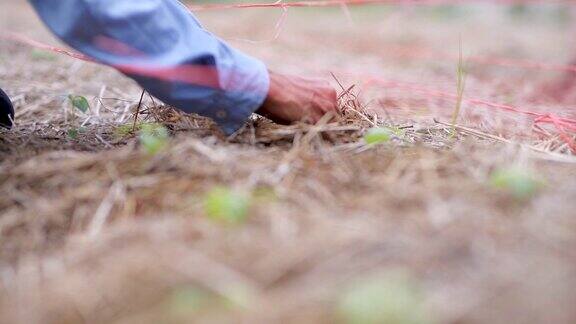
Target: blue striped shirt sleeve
{"points": [[162, 46]]}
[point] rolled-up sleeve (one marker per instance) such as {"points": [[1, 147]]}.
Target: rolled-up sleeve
{"points": [[161, 45]]}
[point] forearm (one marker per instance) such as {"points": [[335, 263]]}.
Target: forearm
{"points": [[159, 44]]}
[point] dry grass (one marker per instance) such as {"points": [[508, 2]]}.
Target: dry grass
{"points": [[94, 230]]}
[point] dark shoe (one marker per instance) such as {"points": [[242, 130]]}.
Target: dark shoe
{"points": [[6, 111]]}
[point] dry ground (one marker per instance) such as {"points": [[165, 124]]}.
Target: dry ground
{"points": [[94, 230]]}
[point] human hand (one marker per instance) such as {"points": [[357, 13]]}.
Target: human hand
{"points": [[293, 98]]}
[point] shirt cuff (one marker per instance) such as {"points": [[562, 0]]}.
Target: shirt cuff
{"points": [[246, 89]]}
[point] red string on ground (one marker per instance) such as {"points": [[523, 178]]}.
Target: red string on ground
{"points": [[331, 3], [561, 124], [416, 52], [372, 80], [36, 44]]}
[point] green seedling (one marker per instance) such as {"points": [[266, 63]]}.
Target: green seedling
{"points": [[74, 132], [153, 138], [124, 130], [518, 182], [378, 135], [390, 298], [226, 206], [79, 102]]}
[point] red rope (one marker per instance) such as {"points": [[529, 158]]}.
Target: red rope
{"points": [[415, 52], [333, 3], [400, 51], [36, 44], [562, 124]]}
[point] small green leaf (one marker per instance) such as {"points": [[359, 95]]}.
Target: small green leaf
{"points": [[520, 183], [377, 136], [226, 206], [125, 130], [74, 132], [389, 298], [153, 138], [79, 102]]}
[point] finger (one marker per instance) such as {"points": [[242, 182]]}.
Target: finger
{"points": [[330, 95], [313, 116], [328, 106]]}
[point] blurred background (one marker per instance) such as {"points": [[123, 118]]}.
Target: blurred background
{"points": [[431, 226]]}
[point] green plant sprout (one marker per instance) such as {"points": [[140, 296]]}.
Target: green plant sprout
{"points": [[460, 86], [389, 298], [124, 130], [73, 133], [153, 138], [226, 206], [379, 135], [79, 102], [518, 182]]}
